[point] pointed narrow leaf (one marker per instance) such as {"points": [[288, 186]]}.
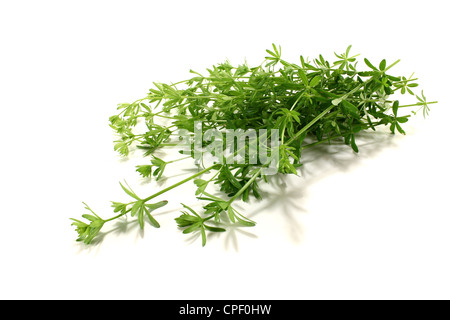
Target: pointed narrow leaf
{"points": [[353, 144], [231, 214], [395, 107], [315, 81], [202, 230], [371, 66], [190, 209], [277, 50], [402, 119], [231, 177], [135, 208], [350, 108], [201, 184], [214, 229], [130, 193], [141, 216], [347, 52], [192, 228], [144, 170], [152, 220], [89, 217], [392, 127], [78, 223], [247, 223], [399, 128], [271, 53], [303, 77], [157, 205]]}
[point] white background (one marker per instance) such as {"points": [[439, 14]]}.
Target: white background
{"points": [[370, 226]]}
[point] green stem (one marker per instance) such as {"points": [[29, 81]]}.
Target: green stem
{"points": [[179, 183], [296, 101], [302, 130], [407, 80], [391, 65], [164, 190], [282, 132], [309, 145], [118, 216], [161, 116], [172, 161], [249, 182], [417, 104], [168, 144]]}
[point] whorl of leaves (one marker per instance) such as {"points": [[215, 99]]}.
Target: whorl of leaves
{"points": [[309, 102]]}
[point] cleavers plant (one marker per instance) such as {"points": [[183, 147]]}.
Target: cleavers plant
{"points": [[309, 103]]}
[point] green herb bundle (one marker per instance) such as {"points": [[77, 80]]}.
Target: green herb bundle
{"points": [[308, 103]]}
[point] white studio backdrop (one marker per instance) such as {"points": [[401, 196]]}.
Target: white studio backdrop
{"points": [[368, 226]]}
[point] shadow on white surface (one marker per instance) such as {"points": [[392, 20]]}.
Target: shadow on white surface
{"points": [[285, 196]]}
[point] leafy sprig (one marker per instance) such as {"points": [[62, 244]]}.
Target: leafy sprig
{"points": [[310, 102], [194, 222]]}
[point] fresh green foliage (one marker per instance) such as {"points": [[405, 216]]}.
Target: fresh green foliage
{"points": [[309, 103], [194, 222]]}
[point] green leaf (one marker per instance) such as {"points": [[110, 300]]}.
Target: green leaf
{"points": [[370, 65], [129, 192], [383, 64], [255, 191], [141, 216], [150, 217], [192, 228], [202, 229], [214, 229], [395, 107], [119, 206], [349, 108], [186, 220], [271, 53], [403, 119], [97, 224], [89, 209], [231, 214], [347, 52], [92, 233], [137, 205], [245, 222], [303, 77], [231, 177], [201, 184], [153, 206], [399, 128], [78, 223], [122, 148], [392, 127], [277, 50], [191, 210], [161, 165], [89, 217], [353, 144], [144, 170], [315, 81]]}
